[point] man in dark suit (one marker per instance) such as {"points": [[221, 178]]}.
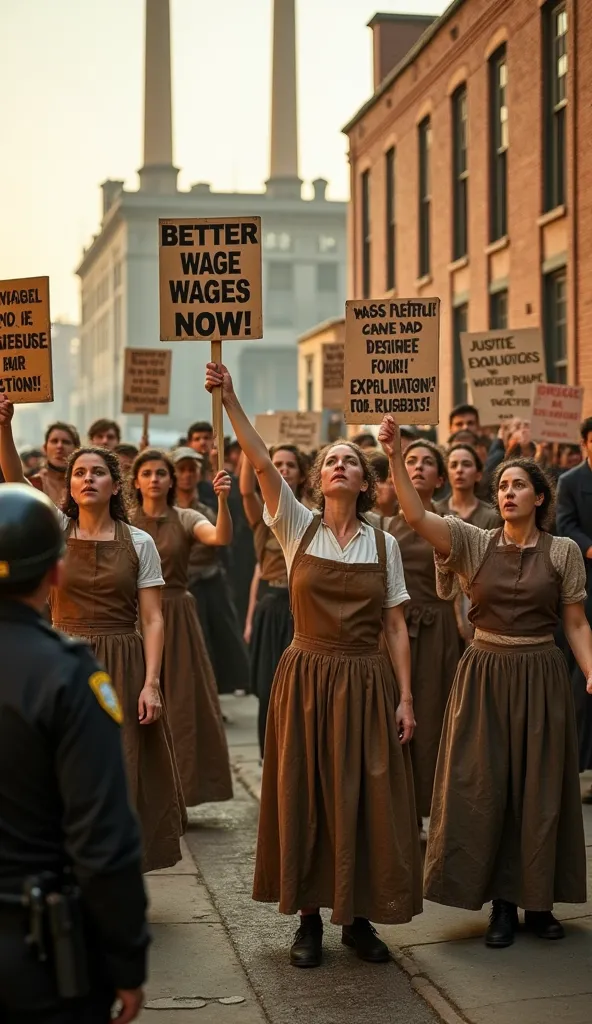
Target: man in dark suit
{"points": [[574, 519]]}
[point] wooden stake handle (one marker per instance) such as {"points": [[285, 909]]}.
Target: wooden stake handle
{"points": [[217, 409], [145, 428]]}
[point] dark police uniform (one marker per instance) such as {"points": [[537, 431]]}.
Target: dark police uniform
{"points": [[64, 804]]}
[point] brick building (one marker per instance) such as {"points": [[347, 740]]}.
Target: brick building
{"points": [[470, 175]]}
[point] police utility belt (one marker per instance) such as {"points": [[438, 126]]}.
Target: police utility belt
{"points": [[56, 931]]}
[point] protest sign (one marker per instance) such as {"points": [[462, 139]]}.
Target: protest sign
{"points": [[300, 428], [147, 381], [501, 368], [210, 279], [25, 340], [333, 356], [556, 413], [391, 360]]}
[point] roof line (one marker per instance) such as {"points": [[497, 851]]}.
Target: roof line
{"points": [[426, 37]]}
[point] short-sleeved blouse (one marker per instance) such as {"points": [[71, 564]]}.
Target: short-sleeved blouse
{"points": [[291, 522], [149, 568]]}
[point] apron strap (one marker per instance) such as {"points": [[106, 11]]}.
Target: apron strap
{"points": [[381, 548], [309, 533], [124, 535]]}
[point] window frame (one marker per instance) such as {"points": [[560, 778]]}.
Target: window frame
{"points": [[459, 379], [554, 104], [557, 368], [365, 188], [495, 322], [390, 168], [460, 172], [499, 145], [424, 138]]}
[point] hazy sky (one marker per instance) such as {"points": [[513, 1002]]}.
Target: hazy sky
{"points": [[71, 77]]}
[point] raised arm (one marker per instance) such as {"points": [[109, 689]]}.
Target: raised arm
{"points": [[251, 500], [221, 534], [251, 443], [10, 462], [427, 524]]}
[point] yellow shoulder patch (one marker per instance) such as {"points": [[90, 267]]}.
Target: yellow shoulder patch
{"points": [[100, 684]]}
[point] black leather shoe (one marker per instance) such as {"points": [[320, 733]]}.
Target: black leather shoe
{"points": [[362, 937], [307, 948], [543, 924], [503, 922]]}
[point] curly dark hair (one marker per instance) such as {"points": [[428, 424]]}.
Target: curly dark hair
{"points": [[434, 449], [366, 499], [302, 461], [541, 483], [117, 509], [150, 455], [466, 448]]}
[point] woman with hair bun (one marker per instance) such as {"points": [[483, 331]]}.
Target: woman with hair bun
{"points": [[506, 819], [337, 824]]}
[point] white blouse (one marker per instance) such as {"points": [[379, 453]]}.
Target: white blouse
{"points": [[291, 523]]}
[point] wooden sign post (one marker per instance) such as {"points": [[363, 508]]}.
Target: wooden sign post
{"points": [[147, 384], [210, 288], [25, 340], [392, 360]]}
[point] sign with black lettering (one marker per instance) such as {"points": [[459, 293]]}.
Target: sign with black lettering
{"points": [[556, 413], [25, 340], [333, 356], [501, 368], [302, 429], [147, 381], [210, 279], [391, 360]]}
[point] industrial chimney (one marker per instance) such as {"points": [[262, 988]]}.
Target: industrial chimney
{"points": [[283, 169], [158, 174]]}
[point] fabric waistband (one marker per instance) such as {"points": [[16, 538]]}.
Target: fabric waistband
{"points": [[318, 646], [92, 629], [281, 584], [536, 648]]}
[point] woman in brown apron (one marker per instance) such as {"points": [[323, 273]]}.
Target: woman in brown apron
{"points": [[272, 625], [188, 681], [113, 578], [337, 825], [506, 815], [433, 631]]}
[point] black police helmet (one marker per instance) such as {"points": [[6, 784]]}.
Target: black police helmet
{"points": [[31, 539]]}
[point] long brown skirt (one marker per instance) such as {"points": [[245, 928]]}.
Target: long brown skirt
{"points": [[337, 826], [192, 704], [153, 780], [506, 814], [435, 653]]}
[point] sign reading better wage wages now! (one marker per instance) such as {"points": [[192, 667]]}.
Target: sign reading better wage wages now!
{"points": [[501, 368], [391, 360], [210, 279], [25, 340]]}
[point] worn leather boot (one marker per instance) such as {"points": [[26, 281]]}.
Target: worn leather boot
{"points": [[362, 937], [543, 924], [503, 922], [307, 948]]}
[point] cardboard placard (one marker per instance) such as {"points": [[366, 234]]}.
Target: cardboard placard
{"points": [[392, 360], [302, 429], [501, 368], [147, 381], [25, 340], [210, 279], [333, 361], [556, 413]]}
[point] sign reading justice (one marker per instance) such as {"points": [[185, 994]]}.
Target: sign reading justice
{"points": [[25, 340], [147, 381], [210, 279], [391, 360], [501, 368]]}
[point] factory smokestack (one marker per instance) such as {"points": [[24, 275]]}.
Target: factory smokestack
{"points": [[158, 174], [283, 168]]}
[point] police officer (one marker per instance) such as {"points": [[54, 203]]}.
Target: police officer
{"points": [[73, 933]]}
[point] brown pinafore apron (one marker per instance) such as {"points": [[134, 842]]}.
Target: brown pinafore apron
{"points": [[506, 814], [337, 826], [98, 602], [187, 676], [435, 652]]}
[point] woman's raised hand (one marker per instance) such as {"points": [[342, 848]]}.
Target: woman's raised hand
{"points": [[217, 376], [389, 436], [589, 684], [6, 411], [222, 484]]}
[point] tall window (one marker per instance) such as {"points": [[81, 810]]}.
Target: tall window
{"points": [[555, 100], [460, 172], [280, 294], [391, 221], [366, 237], [309, 383], [555, 287], [498, 145], [460, 320], [498, 310], [425, 198]]}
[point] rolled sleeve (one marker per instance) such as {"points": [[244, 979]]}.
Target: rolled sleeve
{"points": [[289, 523], [396, 589]]}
